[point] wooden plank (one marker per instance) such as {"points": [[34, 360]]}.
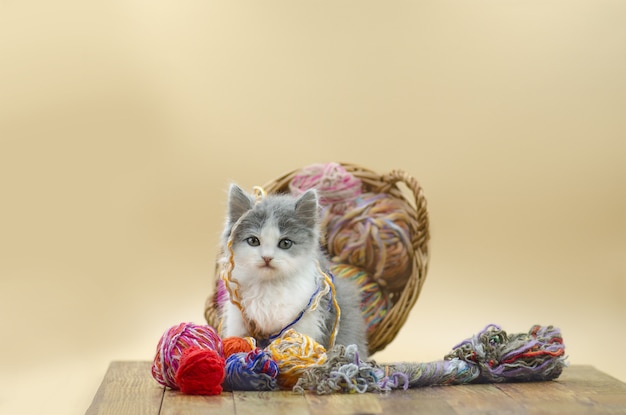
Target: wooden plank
{"points": [[595, 392], [537, 391], [579, 390], [175, 403], [276, 403], [588, 380], [127, 389], [344, 404], [480, 399], [423, 401], [545, 398]]}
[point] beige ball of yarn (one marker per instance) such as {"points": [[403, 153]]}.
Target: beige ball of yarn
{"points": [[374, 235]]}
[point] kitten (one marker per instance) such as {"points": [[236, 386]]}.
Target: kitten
{"points": [[277, 262]]}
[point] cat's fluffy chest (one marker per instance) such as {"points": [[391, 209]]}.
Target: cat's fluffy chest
{"points": [[272, 306]]}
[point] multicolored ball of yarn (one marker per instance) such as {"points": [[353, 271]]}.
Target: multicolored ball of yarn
{"points": [[174, 342], [337, 188], [295, 352], [252, 371], [375, 235], [375, 303]]}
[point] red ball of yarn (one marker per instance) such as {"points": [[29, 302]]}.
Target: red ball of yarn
{"points": [[232, 345], [174, 342], [201, 372]]}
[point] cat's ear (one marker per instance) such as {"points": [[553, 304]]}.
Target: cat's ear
{"points": [[239, 202], [307, 207]]}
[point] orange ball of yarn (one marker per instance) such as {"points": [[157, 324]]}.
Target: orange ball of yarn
{"points": [[232, 345]]}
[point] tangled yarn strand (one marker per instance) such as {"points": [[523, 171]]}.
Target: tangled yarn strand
{"points": [[489, 356], [536, 355], [343, 372], [231, 284], [329, 283]]}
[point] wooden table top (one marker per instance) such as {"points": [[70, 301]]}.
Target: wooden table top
{"points": [[128, 388]]}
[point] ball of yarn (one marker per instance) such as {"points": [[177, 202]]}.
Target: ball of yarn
{"points": [[337, 188], [234, 345], [172, 345], [375, 302], [374, 235], [294, 352], [252, 371], [200, 372]]}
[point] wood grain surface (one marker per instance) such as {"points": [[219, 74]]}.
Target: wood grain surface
{"points": [[128, 388]]}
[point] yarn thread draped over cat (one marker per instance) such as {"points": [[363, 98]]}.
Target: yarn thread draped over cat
{"points": [[297, 362]]}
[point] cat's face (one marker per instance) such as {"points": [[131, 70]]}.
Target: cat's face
{"points": [[276, 238]]}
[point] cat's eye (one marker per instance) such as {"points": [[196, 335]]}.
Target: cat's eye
{"points": [[285, 243], [253, 241]]}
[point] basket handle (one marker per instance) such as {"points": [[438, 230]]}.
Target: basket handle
{"points": [[391, 179], [396, 176]]}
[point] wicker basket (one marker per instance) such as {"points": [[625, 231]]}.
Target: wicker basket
{"points": [[402, 301]]}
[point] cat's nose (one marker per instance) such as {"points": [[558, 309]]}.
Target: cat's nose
{"points": [[267, 259]]}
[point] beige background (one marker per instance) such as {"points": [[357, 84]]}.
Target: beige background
{"points": [[123, 122]]}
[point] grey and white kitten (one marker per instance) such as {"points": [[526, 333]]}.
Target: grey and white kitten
{"points": [[277, 260]]}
